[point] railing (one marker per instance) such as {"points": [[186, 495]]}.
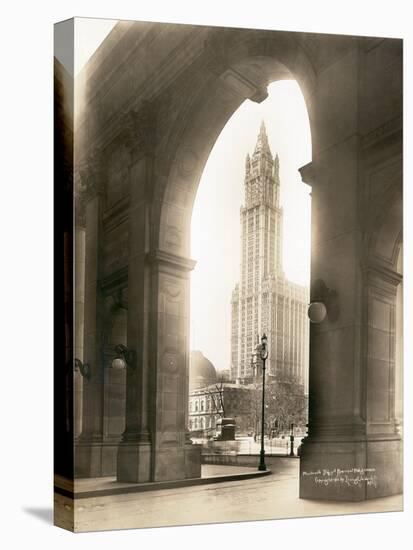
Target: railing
{"points": [[247, 446]]}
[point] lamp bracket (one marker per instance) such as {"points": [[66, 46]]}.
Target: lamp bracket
{"points": [[128, 355], [83, 368], [321, 293]]}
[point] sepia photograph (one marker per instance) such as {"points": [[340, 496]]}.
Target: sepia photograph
{"points": [[228, 252]]}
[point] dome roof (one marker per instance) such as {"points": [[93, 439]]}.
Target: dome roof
{"points": [[201, 371]]}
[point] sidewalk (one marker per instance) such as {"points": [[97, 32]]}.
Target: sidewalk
{"points": [[271, 497], [105, 486]]}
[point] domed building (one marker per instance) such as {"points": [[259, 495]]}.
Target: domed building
{"points": [[201, 371]]}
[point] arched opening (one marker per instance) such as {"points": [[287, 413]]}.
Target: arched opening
{"points": [[232, 228], [248, 68]]}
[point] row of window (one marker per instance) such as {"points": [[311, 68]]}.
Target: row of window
{"points": [[202, 422], [204, 404]]}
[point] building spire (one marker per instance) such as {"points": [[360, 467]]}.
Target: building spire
{"points": [[262, 145], [276, 167], [247, 163]]}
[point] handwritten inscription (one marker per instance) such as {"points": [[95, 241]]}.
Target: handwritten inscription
{"points": [[350, 477]]}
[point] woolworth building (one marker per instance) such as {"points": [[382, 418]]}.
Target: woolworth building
{"points": [[265, 301]]}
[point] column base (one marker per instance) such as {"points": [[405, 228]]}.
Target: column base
{"points": [[352, 470], [177, 462], [137, 465], [134, 462], [95, 458]]}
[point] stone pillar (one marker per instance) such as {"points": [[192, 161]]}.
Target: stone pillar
{"points": [[384, 444], [337, 424], [154, 445], [173, 454], [353, 450], [114, 390], [79, 325], [79, 316], [88, 450], [134, 451], [336, 436], [133, 463], [399, 344]]}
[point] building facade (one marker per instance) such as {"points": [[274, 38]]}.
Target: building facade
{"points": [[210, 403], [264, 301]]}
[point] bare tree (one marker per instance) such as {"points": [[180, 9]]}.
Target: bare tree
{"points": [[217, 398], [285, 403]]}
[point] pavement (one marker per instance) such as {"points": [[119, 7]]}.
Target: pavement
{"points": [[104, 486], [274, 496]]}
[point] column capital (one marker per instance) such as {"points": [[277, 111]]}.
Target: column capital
{"points": [[90, 174], [376, 270], [167, 261], [307, 173]]}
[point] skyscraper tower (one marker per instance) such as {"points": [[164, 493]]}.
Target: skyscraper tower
{"points": [[264, 300]]}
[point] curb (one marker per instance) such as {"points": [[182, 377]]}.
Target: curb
{"points": [[158, 485]]}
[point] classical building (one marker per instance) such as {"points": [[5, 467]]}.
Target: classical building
{"points": [[265, 301], [201, 371], [208, 404], [212, 396]]}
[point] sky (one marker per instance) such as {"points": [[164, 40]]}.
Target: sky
{"points": [[215, 231], [89, 34]]}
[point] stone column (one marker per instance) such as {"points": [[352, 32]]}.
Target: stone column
{"points": [[352, 451], [88, 452], [155, 444], [133, 463], [384, 444], [337, 426], [134, 451], [79, 284], [173, 454]]}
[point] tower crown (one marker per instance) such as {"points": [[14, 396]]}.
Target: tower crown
{"points": [[262, 146], [261, 174]]}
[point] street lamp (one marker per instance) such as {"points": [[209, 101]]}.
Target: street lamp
{"points": [[263, 355], [292, 439]]}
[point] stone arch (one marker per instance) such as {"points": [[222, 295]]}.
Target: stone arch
{"points": [[239, 70]]}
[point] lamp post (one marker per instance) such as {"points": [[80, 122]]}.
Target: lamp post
{"points": [[263, 355], [292, 439]]}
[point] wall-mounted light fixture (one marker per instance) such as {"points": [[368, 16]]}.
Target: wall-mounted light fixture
{"points": [[83, 368], [124, 358], [323, 303]]}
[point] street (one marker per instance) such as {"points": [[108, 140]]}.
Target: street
{"points": [[271, 497]]}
